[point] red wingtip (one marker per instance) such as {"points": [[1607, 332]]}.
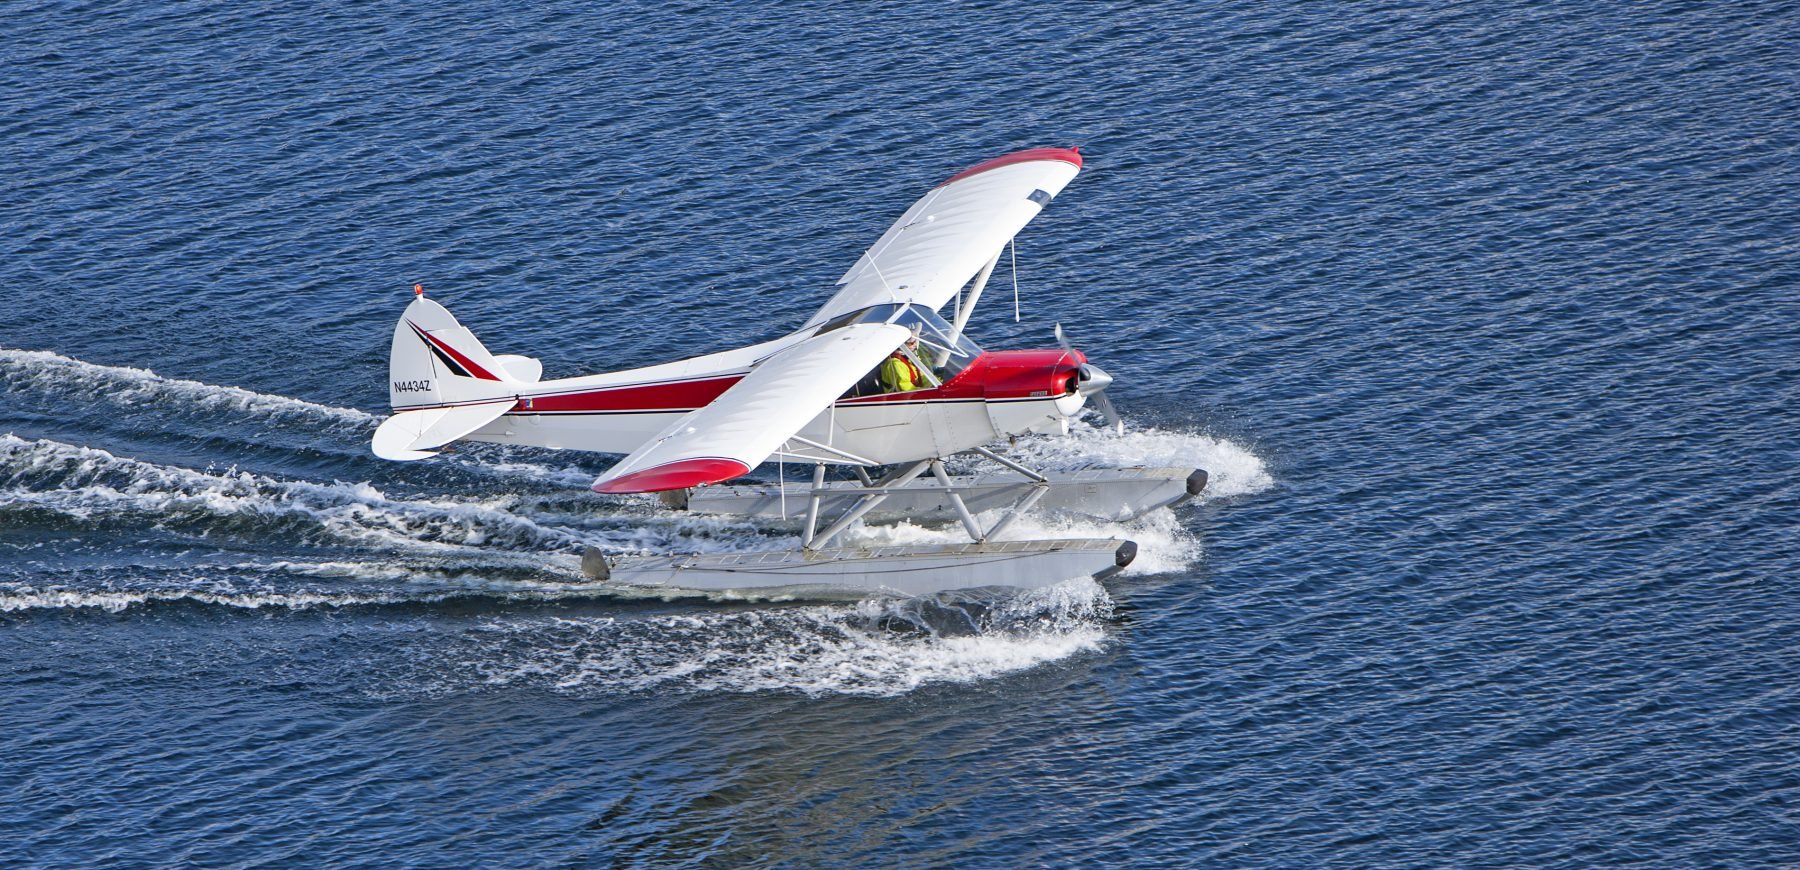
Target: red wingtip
{"points": [[675, 475], [1066, 155]]}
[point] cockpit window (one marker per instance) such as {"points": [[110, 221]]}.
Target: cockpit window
{"points": [[939, 358], [944, 357]]}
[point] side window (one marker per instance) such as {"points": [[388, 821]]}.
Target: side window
{"points": [[868, 385], [926, 362], [944, 358]]}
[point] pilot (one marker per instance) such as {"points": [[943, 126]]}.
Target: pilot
{"points": [[898, 374]]}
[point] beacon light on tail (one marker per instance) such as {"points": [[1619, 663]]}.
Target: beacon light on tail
{"points": [[818, 396]]}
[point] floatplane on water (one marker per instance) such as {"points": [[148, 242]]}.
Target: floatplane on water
{"points": [[874, 380]]}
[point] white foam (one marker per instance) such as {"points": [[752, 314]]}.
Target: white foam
{"points": [[18, 598], [568, 475], [467, 572], [134, 387], [83, 482], [698, 533], [1231, 469], [391, 581], [815, 650], [86, 483], [1163, 544], [875, 647]]}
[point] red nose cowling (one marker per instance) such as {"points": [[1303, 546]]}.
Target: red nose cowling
{"points": [[1018, 374]]}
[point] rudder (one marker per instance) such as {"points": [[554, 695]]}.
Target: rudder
{"points": [[435, 361]]}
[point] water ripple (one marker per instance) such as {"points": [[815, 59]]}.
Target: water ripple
{"points": [[1482, 315]]}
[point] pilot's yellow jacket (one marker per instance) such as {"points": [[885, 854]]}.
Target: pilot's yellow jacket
{"points": [[899, 375]]}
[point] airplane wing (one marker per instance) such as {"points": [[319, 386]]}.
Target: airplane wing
{"points": [[749, 422], [949, 234]]}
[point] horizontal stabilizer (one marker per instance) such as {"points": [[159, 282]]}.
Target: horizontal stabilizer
{"points": [[521, 368], [412, 434]]}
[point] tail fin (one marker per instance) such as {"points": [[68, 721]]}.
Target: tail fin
{"points": [[442, 383], [437, 361]]}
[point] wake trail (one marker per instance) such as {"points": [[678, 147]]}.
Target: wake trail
{"points": [[524, 545], [27, 597], [60, 487], [127, 387], [152, 401], [22, 597], [85, 486], [878, 647]]}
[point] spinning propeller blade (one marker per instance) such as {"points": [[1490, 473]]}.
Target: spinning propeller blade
{"points": [[1109, 412], [1092, 384]]}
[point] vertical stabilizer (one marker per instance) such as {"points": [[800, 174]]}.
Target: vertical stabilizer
{"points": [[436, 361]]}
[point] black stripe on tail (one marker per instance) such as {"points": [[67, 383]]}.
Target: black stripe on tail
{"points": [[444, 358]]}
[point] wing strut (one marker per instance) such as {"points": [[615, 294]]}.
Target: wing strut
{"points": [[964, 309]]}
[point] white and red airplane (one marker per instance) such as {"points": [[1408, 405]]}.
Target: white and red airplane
{"points": [[808, 397]]}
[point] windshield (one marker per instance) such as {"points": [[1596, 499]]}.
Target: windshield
{"points": [[941, 358], [944, 357], [938, 357]]}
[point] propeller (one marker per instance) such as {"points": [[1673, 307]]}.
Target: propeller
{"points": [[1092, 384]]}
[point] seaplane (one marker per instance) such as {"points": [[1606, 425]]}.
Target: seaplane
{"points": [[877, 382]]}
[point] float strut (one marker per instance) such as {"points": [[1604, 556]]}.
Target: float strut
{"points": [[956, 501], [812, 506], [1040, 487], [868, 503], [1011, 464], [1012, 513]]}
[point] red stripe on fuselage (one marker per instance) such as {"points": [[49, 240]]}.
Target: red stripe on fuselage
{"points": [[999, 374], [1014, 374], [678, 396]]}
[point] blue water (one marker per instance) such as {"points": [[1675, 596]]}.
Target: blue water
{"points": [[1483, 315]]}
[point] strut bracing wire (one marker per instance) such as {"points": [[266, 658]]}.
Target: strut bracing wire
{"points": [[1013, 246]]}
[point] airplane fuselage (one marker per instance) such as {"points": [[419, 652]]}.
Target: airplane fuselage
{"points": [[1000, 393]]}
